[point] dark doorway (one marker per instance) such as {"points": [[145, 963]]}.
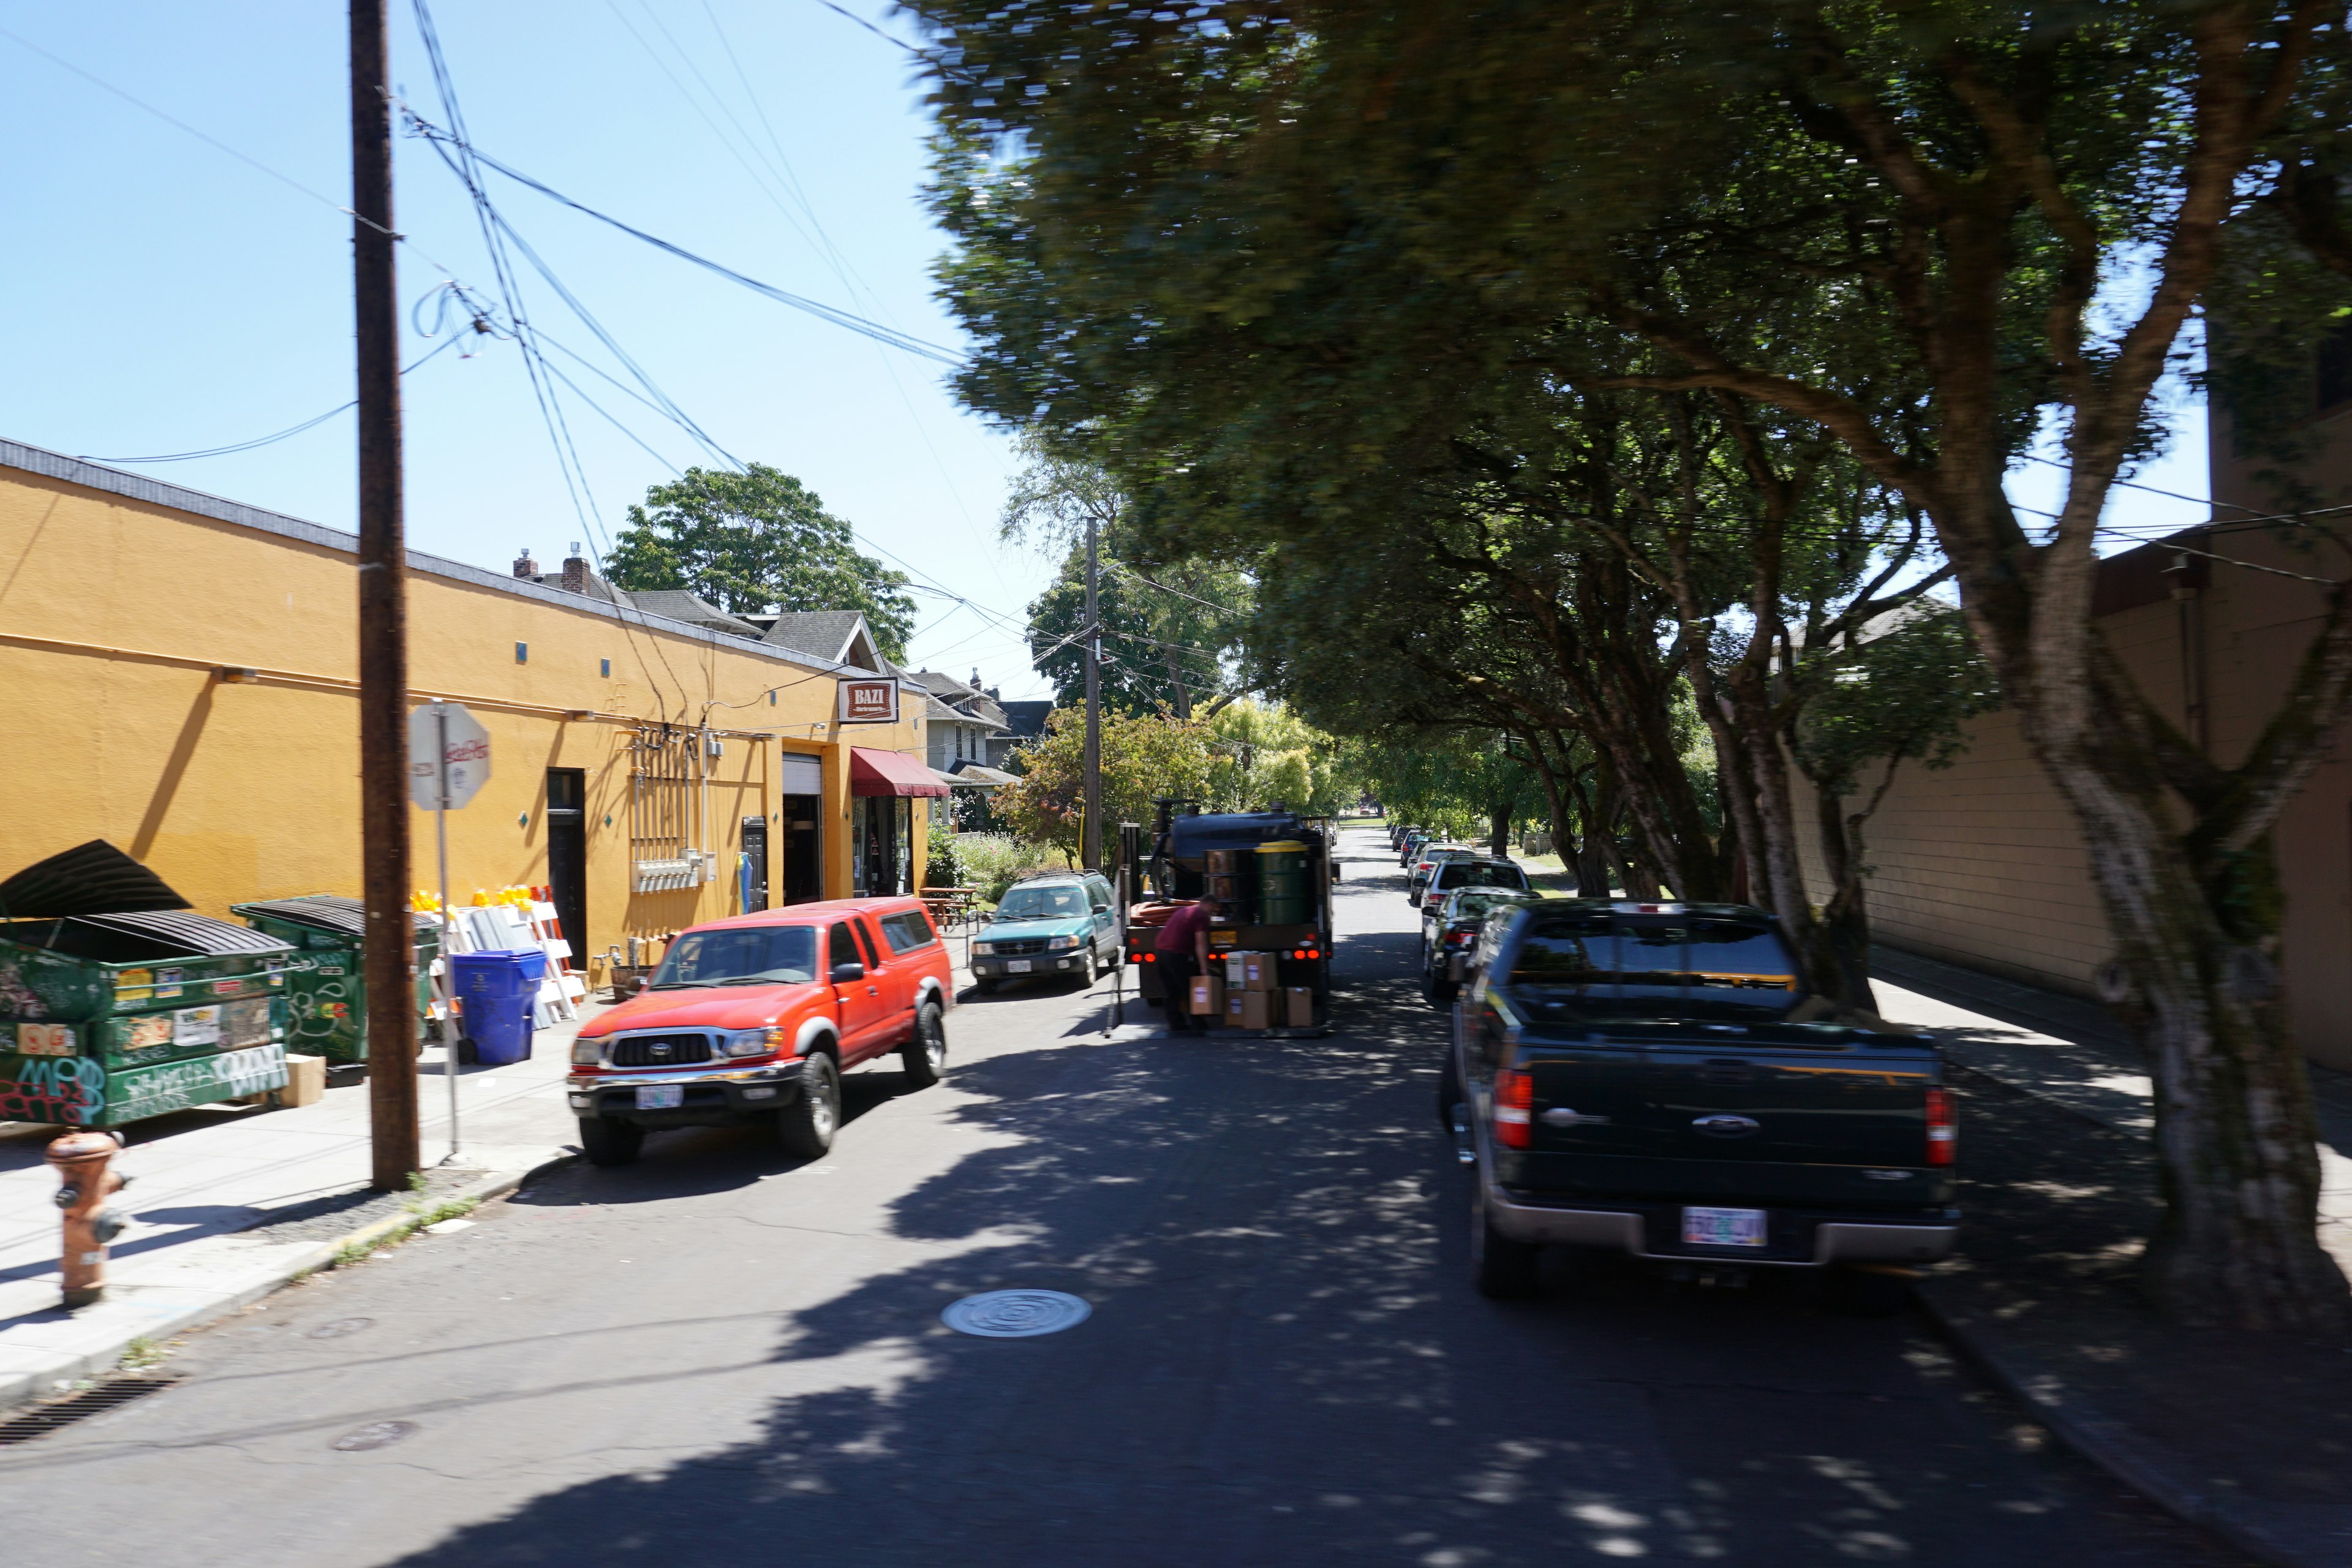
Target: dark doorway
{"points": [[804, 857], [567, 857], [755, 864]]}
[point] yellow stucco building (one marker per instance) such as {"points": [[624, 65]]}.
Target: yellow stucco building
{"points": [[177, 675]]}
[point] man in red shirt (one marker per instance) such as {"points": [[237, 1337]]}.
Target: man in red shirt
{"points": [[1182, 952]]}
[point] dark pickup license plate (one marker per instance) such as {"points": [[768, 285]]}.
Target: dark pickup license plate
{"points": [[1724, 1227]]}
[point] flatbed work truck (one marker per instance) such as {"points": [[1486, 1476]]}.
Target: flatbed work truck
{"points": [[1191, 856]]}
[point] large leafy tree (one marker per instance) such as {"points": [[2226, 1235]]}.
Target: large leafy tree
{"points": [[756, 542], [1166, 630], [1144, 756], [1255, 243]]}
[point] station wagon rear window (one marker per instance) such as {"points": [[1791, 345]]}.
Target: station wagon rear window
{"points": [[1677, 965], [740, 955]]}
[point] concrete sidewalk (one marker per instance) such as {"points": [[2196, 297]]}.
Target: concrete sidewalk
{"points": [[2075, 1373], [229, 1203]]}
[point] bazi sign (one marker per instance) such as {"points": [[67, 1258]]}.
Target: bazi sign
{"points": [[869, 703]]}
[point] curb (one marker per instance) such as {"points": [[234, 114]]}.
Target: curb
{"points": [[24, 1386], [2155, 1473]]}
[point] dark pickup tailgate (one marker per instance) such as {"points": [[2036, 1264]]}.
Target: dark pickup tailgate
{"points": [[1773, 1114]]}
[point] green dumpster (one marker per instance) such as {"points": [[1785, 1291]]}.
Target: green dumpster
{"points": [[111, 1019], [326, 997]]}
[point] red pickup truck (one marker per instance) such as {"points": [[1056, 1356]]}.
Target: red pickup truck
{"points": [[756, 1019]]}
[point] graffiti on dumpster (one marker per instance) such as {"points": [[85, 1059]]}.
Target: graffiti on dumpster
{"points": [[51, 1089], [175, 1086], [16, 998], [319, 1014], [45, 1039]]}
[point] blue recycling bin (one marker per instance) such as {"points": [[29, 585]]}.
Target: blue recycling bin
{"points": [[495, 991]]}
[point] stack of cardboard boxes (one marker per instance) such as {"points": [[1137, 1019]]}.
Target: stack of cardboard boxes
{"points": [[1244, 991]]}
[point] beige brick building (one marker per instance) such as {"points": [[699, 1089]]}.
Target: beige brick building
{"points": [[1980, 865]]}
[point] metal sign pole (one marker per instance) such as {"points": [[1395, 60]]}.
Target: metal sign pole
{"points": [[441, 846]]}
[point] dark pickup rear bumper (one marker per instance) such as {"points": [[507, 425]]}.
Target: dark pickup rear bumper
{"points": [[718, 1097], [1798, 1238]]}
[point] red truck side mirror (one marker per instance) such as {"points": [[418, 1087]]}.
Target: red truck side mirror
{"points": [[845, 973]]}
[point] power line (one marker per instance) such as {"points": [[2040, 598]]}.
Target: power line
{"points": [[875, 329], [310, 424]]}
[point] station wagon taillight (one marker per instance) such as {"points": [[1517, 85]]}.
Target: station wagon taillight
{"points": [[1943, 1127], [1515, 1102]]}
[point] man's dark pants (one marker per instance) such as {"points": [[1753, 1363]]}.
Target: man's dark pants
{"points": [[1176, 973]]}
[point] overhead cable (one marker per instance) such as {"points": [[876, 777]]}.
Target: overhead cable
{"points": [[889, 336]]}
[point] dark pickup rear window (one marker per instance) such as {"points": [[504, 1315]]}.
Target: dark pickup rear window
{"points": [[1657, 966]]}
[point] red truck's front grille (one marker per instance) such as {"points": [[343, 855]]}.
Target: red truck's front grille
{"points": [[659, 1051]]}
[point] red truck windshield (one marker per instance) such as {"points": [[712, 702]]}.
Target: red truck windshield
{"points": [[740, 955]]}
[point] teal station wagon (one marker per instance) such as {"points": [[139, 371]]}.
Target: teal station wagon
{"points": [[1058, 923]]}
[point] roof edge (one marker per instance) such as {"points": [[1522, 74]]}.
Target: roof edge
{"points": [[92, 476]]}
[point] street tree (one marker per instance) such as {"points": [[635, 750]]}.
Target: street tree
{"points": [[1144, 756], [1925, 232], [757, 542]]}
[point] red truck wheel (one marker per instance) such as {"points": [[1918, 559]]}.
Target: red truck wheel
{"points": [[609, 1143], [806, 1127], [925, 1056]]}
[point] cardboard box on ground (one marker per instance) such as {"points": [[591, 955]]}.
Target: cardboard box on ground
{"points": [[1207, 996]]}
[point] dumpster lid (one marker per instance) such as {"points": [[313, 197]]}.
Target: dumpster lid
{"points": [[92, 878], [326, 911], [195, 932]]}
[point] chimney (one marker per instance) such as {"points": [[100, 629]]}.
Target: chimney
{"points": [[525, 566], [575, 572], [975, 678], [993, 697]]}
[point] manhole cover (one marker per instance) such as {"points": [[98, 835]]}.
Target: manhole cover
{"points": [[340, 1327], [375, 1434], [1015, 1314]]}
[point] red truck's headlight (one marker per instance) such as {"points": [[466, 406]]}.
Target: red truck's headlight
{"points": [[587, 1052], [761, 1042]]}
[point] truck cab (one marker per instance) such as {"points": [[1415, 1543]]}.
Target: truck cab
{"points": [[755, 1018], [1650, 1078]]}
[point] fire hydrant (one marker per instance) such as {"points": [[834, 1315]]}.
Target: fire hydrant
{"points": [[84, 1182]]}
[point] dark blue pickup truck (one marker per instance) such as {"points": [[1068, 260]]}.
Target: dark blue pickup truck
{"points": [[1641, 1077]]}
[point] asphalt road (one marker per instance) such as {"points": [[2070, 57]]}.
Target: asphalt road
{"points": [[718, 1356]]}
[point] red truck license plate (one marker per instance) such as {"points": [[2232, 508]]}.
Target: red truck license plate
{"points": [[1723, 1227]]}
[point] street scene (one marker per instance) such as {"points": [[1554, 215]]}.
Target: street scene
{"points": [[1365, 782]]}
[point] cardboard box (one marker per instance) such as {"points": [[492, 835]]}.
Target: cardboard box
{"points": [[1235, 967], [1207, 996], [1298, 1006], [1248, 1010], [1260, 971], [306, 1081]]}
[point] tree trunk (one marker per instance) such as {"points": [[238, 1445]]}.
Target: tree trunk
{"points": [[1845, 919], [2197, 937], [1499, 819]]}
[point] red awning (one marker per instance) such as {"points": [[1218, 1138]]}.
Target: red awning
{"points": [[887, 773]]}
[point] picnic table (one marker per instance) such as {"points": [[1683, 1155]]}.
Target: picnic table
{"points": [[949, 905]]}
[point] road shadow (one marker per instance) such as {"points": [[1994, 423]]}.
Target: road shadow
{"points": [[1285, 1365]]}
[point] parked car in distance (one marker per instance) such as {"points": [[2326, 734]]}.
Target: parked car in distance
{"points": [[1057, 923], [755, 1018], [1643, 1077], [1426, 864], [1449, 933], [1410, 847], [1473, 871]]}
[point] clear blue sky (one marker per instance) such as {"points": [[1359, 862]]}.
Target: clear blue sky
{"points": [[166, 298]]}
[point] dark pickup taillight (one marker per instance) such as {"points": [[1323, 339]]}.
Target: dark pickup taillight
{"points": [[1943, 1127], [1515, 1103], [1459, 938]]}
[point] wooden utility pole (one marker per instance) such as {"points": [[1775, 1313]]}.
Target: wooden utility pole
{"points": [[1090, 835], [384, 618]]}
